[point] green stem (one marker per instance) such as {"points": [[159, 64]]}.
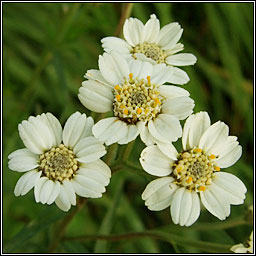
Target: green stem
{"points": [[220, 225], [168, 237], [125, 14], [64, 224]]}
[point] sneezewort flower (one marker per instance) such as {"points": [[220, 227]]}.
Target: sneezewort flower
{"points": [[195, 172], [141, 104], [59, 164], [241, 248], [150, 43]]}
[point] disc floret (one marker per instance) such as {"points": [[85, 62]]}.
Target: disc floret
{"points": [[58, 163], [150, 50], [137, 100], [194, 169]]}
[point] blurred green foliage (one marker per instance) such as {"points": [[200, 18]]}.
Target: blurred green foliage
{"points": [[47, 48]]}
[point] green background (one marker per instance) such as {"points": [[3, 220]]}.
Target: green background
{"points": [[47, 48]]}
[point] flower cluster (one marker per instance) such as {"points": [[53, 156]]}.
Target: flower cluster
{"points": [[133, 83]]}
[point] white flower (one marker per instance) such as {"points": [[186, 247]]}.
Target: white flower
{"points": [[194, 172], [150, 43], [240, 248], [141, 104], [59, 164]]}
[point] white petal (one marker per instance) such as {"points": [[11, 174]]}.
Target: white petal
{"points": [[95, 172], [26, 182], [144, 58], [154, 185], [231, 185], [169, 35], [133, 31], [214, 135], [67, 185], [230, 158], [146, 137], [38, 186], [90, 183], [63, 201], [176, 205], [222, 199], [95, 74], [161, 74], [89, 149], [165, 128], [83, 191], [239, 248], [140, 69], [132, 133], [171, 92], [212, 204], [174, 49], [181, 59], [74, 129], [44, 129], [54, 126], [109, 130], [180, 107], [194, 128], [178, 76], [230, 197], [121, 132], [155, 162], [195, 209], [185, 207], [55, 192], [113, 67], [88, 127], [98, 165], [114, 43], [35, 135], [22, 160], [158, 194], [151, 30], [96, 96], [169, 150], [46, 191]]}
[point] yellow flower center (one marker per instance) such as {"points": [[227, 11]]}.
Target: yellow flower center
{"points": [[152, 51], [58, 163], [194, 169], [137, 100]]}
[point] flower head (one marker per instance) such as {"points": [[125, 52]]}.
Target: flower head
{"points": [[59, 164], [194, 172], [150, 43], [141, 104], [240, 248]]}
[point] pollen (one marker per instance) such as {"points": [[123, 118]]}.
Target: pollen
{"points": [[117, 87], [138, 110], [189, 180], [118, 97], [148, 78], [201, 188], [126, 112], [212, 156], [130, 76], [217, 168], [197, 150]]}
